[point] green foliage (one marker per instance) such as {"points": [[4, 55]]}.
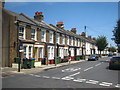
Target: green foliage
{"points": [[112, 49], [101, 43], [116, 33]]}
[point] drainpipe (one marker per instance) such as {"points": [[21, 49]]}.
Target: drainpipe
{"points": [[18, 54], [55, 48]]}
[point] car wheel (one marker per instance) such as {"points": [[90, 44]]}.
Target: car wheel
{"points": [[110, 68]]}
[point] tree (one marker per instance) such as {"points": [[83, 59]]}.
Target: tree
{"points": [[112, 49], [116, 35], [101, 43]]}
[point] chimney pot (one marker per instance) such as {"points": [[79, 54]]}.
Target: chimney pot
{"points": [[59, 22], [83, 34], [73, 30], [89, 37], [40, 13], [60, 25], [38, 16]]}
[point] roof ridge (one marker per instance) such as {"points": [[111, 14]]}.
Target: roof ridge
{"points": [[49, 26], [28, 18], [35, 21]]}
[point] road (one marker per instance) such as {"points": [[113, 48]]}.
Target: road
{"points": [[87, 74]]}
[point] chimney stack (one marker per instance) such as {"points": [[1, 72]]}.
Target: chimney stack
{"points": [[39, 16], [89, 37], [83, 34], [94, 38], [60, 25], [73, 30], [2, 3]]}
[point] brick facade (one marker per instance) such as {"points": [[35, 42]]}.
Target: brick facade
{"points": [[10, 32]]}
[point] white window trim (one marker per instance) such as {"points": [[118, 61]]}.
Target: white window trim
{"points": [[35, 34], [51, 52], [44, 35], [68, 40], [27, 50], [51, 41], [75, 42], [63, 39], [72, 41], [78, 42], [24, 34], [58, 35]]}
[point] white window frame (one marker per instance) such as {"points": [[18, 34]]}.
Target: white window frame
{"points": [[51, 37], [68, 40], [49, 53], [43, 38], [75, 42], [30, 53], [62, 52], [27, 50], [63, 39], [22, 37], [58, 38], [35, 34], [72, 41], [78, 44], [52, 52]]}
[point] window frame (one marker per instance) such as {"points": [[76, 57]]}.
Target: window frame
{"points": [[51, 37], [35, 34], [43, 37], [63, 39], [23, 33], [58, 38]]}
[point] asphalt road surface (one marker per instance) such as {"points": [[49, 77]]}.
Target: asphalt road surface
{"points": [[87, 74]]}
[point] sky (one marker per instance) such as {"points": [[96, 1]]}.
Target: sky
{"points": [[99, 17]]}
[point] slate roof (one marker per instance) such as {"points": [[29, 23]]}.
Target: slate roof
{"points": [[22, 17], [19, 16]]}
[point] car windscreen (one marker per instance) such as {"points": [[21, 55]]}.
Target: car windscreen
{"points": [[116, 59], [92, 56]]}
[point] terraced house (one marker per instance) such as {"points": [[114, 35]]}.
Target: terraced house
{"points": [[27, 37]]}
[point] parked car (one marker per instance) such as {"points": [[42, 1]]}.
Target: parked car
{"points": [[114, 54], [114, 62], [109, 55], [93, 57]]}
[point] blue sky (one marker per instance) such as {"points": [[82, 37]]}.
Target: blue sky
{"points": [[99, 17]]}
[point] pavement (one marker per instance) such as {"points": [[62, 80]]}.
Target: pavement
{"points": [[9, 70]]}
